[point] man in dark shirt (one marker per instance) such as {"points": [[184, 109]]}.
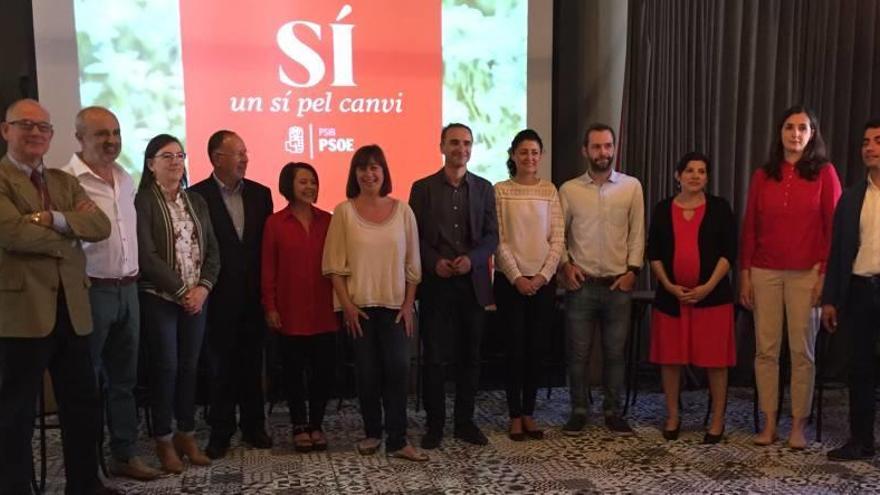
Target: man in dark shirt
{"points": [[458, 232]]}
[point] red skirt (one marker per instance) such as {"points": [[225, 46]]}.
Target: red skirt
{"points": [[699, 336]]}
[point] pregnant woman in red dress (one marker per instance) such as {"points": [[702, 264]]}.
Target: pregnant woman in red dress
{"points": [[691, 243]]}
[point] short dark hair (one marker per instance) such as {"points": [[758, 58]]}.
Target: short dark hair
{"points": [[599, 127], [157, 143], [690, 157], [872, 123], [523, 135], [360, 160], [453, 125], [288, 173], [216, 141]]}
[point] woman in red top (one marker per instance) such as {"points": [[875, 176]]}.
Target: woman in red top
{"points": [[785, 240], [691, 246], [298, 302]]}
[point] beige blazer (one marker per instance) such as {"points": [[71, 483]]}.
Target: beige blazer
{"points": [[36, 261]]}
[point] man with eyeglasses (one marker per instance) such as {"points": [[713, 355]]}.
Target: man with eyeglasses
{"points": [[112, 267], [236, 330], [45, 316]]}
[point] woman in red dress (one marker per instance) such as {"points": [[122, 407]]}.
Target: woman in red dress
{"points": [[691, 244], [298, 302]]}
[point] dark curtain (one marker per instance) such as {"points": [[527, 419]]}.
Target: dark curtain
{"points": [[18, 68], [714, 76]]}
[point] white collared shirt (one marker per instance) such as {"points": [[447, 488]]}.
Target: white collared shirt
{"points": [[116, 256], [604, 224], [867, 261]]}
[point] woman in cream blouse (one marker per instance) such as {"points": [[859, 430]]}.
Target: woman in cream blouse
{"points": [[371, 255]]}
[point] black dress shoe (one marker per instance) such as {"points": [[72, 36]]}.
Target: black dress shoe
{"points": [[851, 451], [617, 424], [431, 439], [534, 434], [258, 439], [471, 434], [217, 448], [672, 434], [106, 490]]}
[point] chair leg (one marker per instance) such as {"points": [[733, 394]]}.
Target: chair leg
{"points": [[102, 399], [148, 421], [822, 344], [755, 408], [420, 375], [43, 456]]}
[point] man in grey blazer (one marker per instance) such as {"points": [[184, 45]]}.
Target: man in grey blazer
{"points": [[458, 232], [45, 316]]}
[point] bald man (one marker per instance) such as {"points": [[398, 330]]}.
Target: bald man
{"points": [[112, 268], [45, 316]]}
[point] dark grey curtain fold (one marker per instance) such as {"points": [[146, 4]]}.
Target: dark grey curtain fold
{"points": [[714, 76]]}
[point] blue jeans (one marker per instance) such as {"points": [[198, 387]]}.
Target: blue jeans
{"points": [[174, 341], [585, 307], [381, 358], [114, 348]]}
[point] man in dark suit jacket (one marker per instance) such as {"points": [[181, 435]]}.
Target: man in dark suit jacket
{"points": [[236, 329], [458, 232], [45, 316], [851, 295]]}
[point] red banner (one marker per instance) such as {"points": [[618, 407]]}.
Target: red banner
{"points": [[313, 81]]}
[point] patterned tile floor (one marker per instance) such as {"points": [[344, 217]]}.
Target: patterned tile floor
{"points": [[596, 462]]}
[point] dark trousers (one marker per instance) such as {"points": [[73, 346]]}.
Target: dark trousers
{"points": [[861, 316], [452, 330], [174, 342], [22, 363], [381, 358], [234, 347], [309, 364], [527, 321]]}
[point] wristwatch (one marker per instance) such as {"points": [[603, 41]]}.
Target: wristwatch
{"points": [[35, 218]]}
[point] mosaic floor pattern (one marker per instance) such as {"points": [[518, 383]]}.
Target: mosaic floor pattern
{"points": [[595, 462]]}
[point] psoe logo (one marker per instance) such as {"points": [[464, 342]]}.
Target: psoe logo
{"points": [[329, 141], [306, 56], [296, 140]]}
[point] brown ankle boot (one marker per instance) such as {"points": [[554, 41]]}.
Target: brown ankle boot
{"points": [[168, 458], [186, 446]]}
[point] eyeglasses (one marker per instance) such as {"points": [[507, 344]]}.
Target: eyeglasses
{"points": [[171, 156], [28, 125]]}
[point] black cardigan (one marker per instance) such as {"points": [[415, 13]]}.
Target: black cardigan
{"points": [[716, 239]]}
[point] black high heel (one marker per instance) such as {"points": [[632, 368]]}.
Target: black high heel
{"points": [[670, 435], [710, 439]]}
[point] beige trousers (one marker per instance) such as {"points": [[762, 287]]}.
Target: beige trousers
{"points": [[778, 294]]}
